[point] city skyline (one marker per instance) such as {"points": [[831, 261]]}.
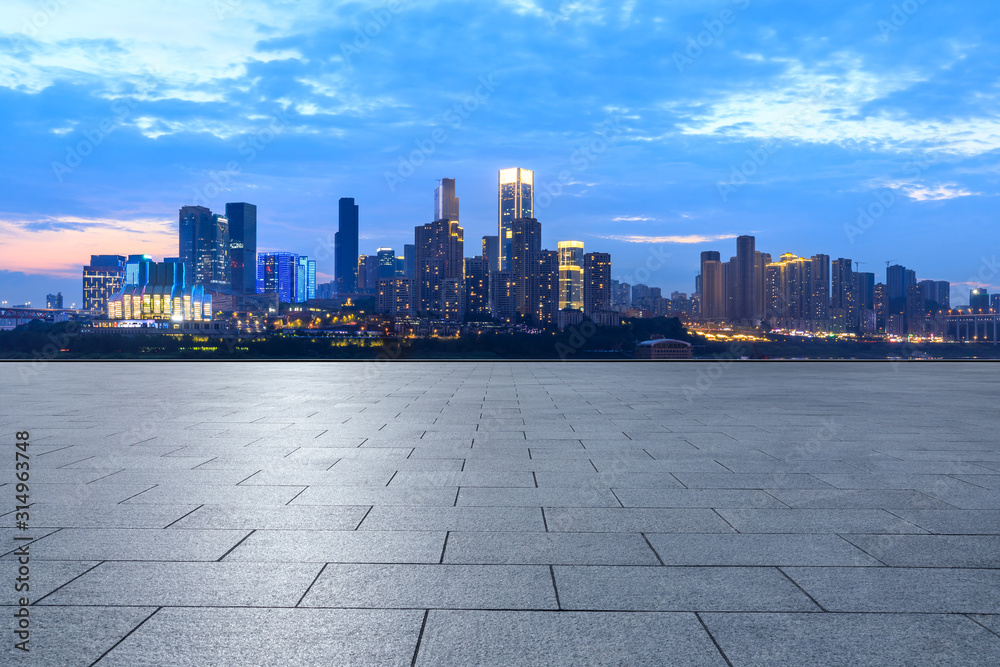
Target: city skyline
{"points": [[848, 130]]}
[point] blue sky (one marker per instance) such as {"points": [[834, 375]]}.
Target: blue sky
{"points": [[661, 129]]}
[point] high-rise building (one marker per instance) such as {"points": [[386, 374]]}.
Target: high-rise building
{"points": [[995, 303], [445, 201], [713, 306], [979, 300], [281, 273], [819, 292], [548, 288], [345, 247], [621, 296], [525, 248], [305, 279], [845, 291], [439, 257], [491, 252], [477, 287], [204, 247], [502, 296], [102, 279], [745, 292], [935, 295], [138, 268], [596, 282], [54, 301], [571, 275], [396, 296], [515, 200], [410, 260], [242, 247], [386, 263], [790, 290]]}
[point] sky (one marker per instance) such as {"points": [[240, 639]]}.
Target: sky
{"points": [[866, 130]]}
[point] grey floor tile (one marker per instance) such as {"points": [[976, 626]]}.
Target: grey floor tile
{"points": [[72, 636], [711, 498], [548, 549], [886, 640], [105, 515], [507, 479], [634, 520], [865, 499], [931, 550], [906, 590], [192, 494], [757, 550], [565, 638], [438, 496], [282, 517], [549, 497], [608, 480], [777, 480], [189, 584], [137, 544], [678, 589], [294, 637], [433, 587], [454, 518], [954, 521], [817, 521], [340, 546]]}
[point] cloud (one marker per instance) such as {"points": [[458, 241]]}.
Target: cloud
{"points": [[631, 218], [940, 192], [688, 239]]}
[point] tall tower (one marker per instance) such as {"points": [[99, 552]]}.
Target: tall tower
{"points": [[242, 246], [746, 291], [445, 201], [526, 244], [571, 275], [596, 282], [712, 304], [345, 247], [515, 200]]}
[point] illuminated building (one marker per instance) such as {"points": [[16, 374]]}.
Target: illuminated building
{"points": [[242, 247], [571, 275], [664, 348], [440, 258], [548, 287], [54, 301], [979, 301], [102, 279], [160, 292], [410, 260], [204, 247], [292, 277], [712, 304], [396, 297], [386, 258], [477, 287], [502, 296], [526, 244], [516, 200], [491, 252], [596, 282], [346, 247], [445, 201], [798, 292], [845, 293]]}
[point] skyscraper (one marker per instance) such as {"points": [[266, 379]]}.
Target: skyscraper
{"points": [[712, 303], [54, 301], [596, 282], [204, 247], [282, 273], [445, 201], [548, 287], [242, 246], [491, 252], [745, 286], [571, 275], [439, 257], [819, 292], [410, 260], [386, 262], [477, 287], [345, 247], [526, 244], [515, 200], [102, 279], [979, 300]]}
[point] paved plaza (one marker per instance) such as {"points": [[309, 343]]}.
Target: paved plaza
{"points": [[506, 513]]}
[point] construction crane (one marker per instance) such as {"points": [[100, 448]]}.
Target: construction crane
{"points": [[857, 265], [888, 262]]}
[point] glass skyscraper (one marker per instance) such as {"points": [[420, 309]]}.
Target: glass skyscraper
{"points": [[204, 246], [345, 246], [516, 200], [242, 246], [102, 279], [571, 275]]}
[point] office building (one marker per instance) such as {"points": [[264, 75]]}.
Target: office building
{"points": [[713, 305], [305, 279], [410, 260], [548, 288], [242, 247], [743, 278], [204, 247], [596, 282], [571, 275], [396, 297], [979, 301], [283, 273], [445, 201], [54, 301], [526, 244], [515, 201], [477, 288], [102, 279], [345, 247], [935, 295], [491, 251], [386, 263], [439, 257], [502, 306]]}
